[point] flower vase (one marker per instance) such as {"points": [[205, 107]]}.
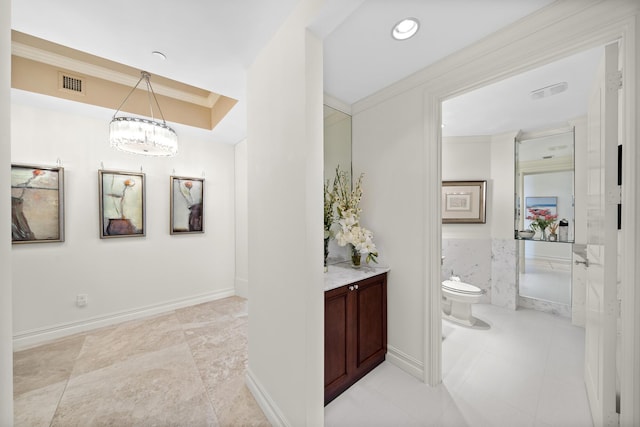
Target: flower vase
{"points": [[356, 258], [120, 227], [543, 234]]}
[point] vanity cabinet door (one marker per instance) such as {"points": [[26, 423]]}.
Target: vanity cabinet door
{"points": [[355, 333], [338, 334], [371, 323]]}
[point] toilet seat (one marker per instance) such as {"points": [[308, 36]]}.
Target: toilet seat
{"points": [[461, 287]]}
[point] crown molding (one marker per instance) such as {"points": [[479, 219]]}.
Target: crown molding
{"points": [[337, 104], [566, 23]]}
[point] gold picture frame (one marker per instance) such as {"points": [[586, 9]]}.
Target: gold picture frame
{"points": [[464, 202]]}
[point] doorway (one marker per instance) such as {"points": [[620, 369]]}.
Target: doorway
{"points": [[528, 184], [433, 101]]}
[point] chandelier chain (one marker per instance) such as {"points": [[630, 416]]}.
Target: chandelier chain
{"points": [[150, 92]]}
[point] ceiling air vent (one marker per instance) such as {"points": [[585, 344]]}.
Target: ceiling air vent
{"points": [[69, 83]]}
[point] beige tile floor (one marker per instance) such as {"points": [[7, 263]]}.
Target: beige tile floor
{"points": [[182, 368]]}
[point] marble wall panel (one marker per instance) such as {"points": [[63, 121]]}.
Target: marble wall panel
{"points": [[504, 273], [469, 259], [555, 308]]}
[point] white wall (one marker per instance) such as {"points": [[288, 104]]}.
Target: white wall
{"points": [[285, 152], [6, 332], [388, 147], [468, 159], [123, 277], [241, 215]]}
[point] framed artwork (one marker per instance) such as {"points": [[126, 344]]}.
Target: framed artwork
{"points": [[187, 205], [37, 204], [122, 204], [464, 202], [546, 203], [540, 206]]}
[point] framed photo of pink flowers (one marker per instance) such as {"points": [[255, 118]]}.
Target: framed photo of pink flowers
{"points": [[541, 211], [122, 204], [187, 205], [37, 204]]}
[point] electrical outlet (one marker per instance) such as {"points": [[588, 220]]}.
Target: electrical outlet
{"points": [[82, 300]]}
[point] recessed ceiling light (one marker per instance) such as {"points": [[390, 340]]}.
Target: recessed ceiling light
{"points": [[405, 29], [159, 55]]}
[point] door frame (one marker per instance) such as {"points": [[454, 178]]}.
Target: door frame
{"points": [[520, 48]]}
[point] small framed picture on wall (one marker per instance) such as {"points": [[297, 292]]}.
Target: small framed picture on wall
{"points": [[187, 205]]}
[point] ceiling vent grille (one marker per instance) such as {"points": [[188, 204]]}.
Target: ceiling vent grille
{"points": [[69, 83]]}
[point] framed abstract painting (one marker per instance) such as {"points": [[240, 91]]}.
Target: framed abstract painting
{"points": [[187, 205], [122, 204], [37, 204]]}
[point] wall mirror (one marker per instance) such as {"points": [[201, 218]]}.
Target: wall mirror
{"points": [[544, 174], [544, 166], [337, 152], [337, 142]]}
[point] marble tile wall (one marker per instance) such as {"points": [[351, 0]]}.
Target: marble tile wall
{"points": [[185, 367], [557, 309], [470, 259], [489, 264], [504, 273]]}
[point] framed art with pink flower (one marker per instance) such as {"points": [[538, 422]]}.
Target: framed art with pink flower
{"points": [[187, 205], [122, 204], [37, 204]]}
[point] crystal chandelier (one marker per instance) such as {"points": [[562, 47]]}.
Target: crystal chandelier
{"points": [[143, 136]]}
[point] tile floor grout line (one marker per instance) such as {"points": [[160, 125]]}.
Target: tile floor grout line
{"points": [[66, 383], [202, 381]]}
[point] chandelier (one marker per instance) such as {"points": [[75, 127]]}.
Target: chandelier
{"points": [[143, 136]]}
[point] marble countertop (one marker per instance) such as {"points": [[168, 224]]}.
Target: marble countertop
{"points": [[342, 274]]}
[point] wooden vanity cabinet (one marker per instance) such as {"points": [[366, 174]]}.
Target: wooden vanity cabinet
{"points": [[355, 333]]}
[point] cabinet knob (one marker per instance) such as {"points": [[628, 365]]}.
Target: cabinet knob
{"points": [[356, 286], [350, 288]]}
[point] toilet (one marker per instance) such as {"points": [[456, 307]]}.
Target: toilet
{"points": [[457, 298]]}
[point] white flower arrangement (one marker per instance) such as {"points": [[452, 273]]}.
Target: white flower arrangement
{"points": [[347, 217]]}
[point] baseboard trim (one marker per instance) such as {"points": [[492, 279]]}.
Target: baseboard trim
{"points": [[407, 363], [555, 308], [30, 338], [242, 287], [268, 406]]}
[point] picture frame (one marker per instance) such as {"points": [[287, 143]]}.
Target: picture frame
{"points": [[37, 204], [464, 202], [122, 204], [535, 204], [186, 205]]}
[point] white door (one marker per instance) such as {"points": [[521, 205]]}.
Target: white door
{"points": [[602, 200]]}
